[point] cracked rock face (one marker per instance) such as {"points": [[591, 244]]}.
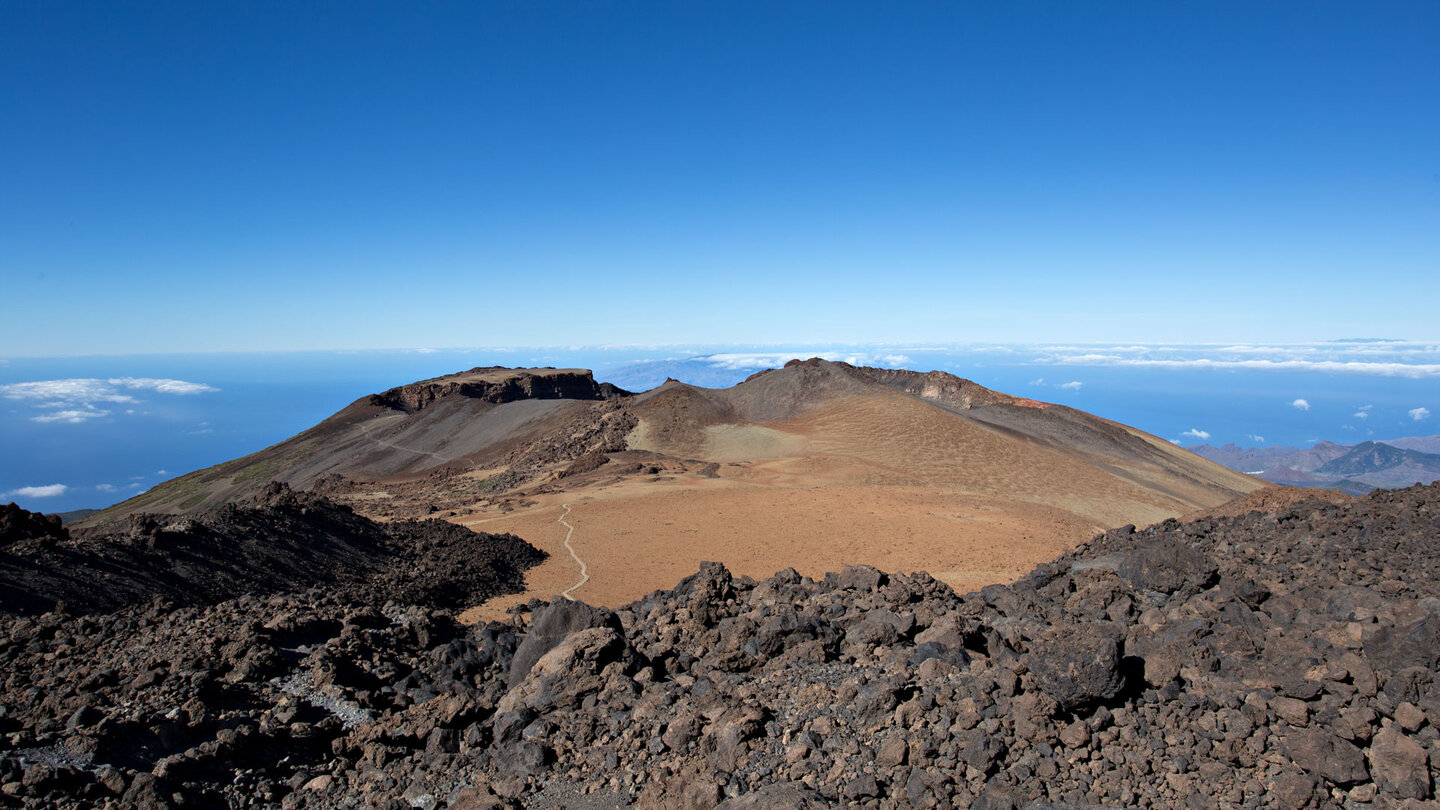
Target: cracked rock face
{"points": [[1280, 659]]}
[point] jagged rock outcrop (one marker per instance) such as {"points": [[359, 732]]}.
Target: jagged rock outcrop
{"points": [[498, 385], [279, 540], [1273, 659], [19, 525]]}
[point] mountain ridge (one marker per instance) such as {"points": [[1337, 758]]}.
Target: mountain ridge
{"points": [[799, 466], [1354, 468]]}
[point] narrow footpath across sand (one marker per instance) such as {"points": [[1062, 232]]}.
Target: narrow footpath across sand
{"points": [[584, 571]]}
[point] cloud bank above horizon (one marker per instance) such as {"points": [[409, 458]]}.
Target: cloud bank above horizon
{"points": [[1413, 359], [78, 400]]}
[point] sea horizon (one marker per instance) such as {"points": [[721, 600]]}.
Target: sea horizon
{"points": [[92, 431]]}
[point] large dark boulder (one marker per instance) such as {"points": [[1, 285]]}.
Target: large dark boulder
{"points": [[18, 525], [550, 627], [1167, 567], [1414, 645], [1323, 754], [1400, 765], [1078, 665]]}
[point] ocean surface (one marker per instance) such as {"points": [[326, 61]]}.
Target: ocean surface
{"points": [[87, 432]]}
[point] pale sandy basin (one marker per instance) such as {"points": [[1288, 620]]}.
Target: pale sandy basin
{"points": [[637, 538]]}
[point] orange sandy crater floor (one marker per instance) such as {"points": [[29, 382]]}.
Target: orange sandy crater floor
{"points": [[878, 479], [638, 537]]}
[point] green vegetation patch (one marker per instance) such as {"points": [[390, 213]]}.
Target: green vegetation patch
{"points": [[259, 471]]}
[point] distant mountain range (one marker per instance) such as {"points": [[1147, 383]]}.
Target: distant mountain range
{"points": [[1355, 468]]}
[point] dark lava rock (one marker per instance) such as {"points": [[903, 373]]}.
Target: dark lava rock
{"points": [[1275, 659], [19, 525], [280, 540], [1078, 665], [1323, 754], [1166, 567], [1413, 645], [552, 625]]}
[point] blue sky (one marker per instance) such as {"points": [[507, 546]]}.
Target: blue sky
{"points": [[287, 176]]}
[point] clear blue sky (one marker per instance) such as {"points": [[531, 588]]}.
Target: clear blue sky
{"points": [[254, 176]]}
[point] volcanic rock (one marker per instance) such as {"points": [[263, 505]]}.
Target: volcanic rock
{"points": [[19, 525], [279, 540], [735, 692]]}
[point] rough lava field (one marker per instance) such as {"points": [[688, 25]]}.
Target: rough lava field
{"points": [[1281, 658]]}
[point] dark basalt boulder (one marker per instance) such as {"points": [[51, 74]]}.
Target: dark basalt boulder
{"points": [[551, 626], [19, 525], [1416, 644], [1079, 665]]}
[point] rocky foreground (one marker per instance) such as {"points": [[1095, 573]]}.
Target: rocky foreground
{"points": [[1282, 659]]}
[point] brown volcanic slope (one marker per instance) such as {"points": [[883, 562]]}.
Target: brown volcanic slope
{"points": [[426, 430], [812, 466]]}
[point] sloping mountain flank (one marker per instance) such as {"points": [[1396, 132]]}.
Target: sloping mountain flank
{"points": [[484, 417], [815, 465], [1425, 444], [935, 428]]}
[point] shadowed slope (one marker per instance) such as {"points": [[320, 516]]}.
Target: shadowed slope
{"points": [[278, 541]]}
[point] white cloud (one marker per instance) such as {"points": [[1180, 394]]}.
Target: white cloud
{"points": [[1419, 413], [1412, 370], [1363, 413], [1038, 381], [47, 491], [1300, 404], [78, 400], [162, 472], [54, 393], [71, 416], [1196, 433], [1073, 385], [1257, 439], [107, 487], [744, 362], [1091, 360], [180, 387]]}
